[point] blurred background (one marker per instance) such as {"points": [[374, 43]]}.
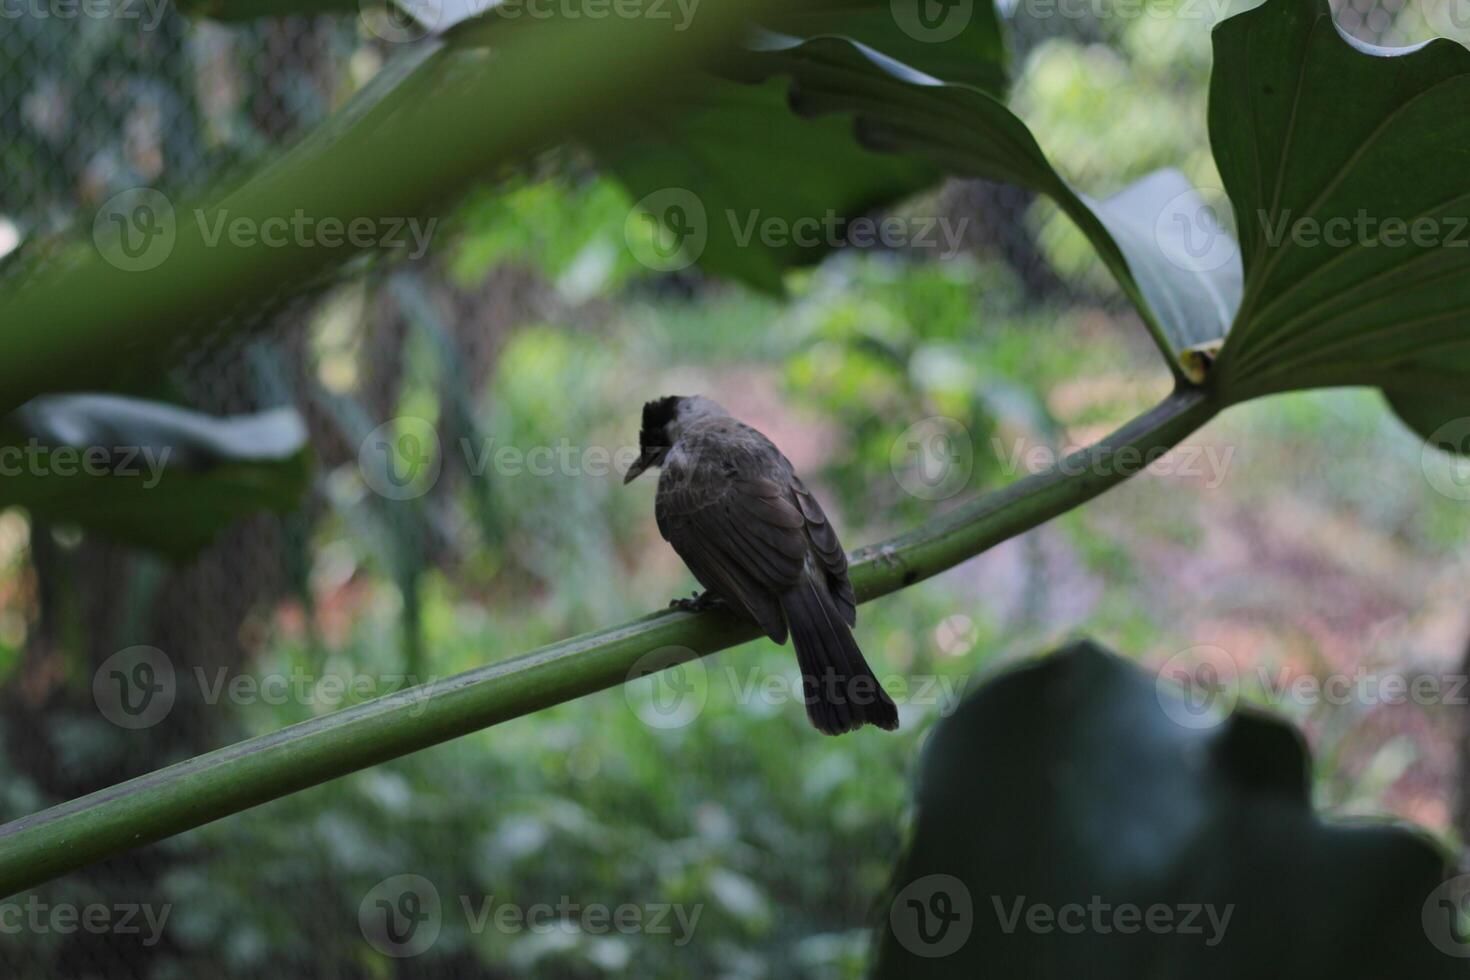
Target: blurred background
{"points": [[1303, 535]]}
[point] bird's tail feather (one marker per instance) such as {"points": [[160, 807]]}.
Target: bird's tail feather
{"points": [[842, 693]]}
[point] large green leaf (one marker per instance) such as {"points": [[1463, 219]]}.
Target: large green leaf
{"points": [[1065, 793], [146, 473], [1185, 300], [717, 163], [1441, 417], [1347, 168], [715, 172], [446, 117]]}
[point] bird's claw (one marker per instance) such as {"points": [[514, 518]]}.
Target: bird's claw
{"points": [[698, 602]]}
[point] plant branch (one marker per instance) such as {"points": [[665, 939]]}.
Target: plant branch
{"points": [[189, 794]]}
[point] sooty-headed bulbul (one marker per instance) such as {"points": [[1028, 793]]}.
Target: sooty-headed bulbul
{"points": [[757, 540]]}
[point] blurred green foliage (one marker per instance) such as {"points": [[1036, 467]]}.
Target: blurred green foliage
{"points": [[1120, 98], [784, 838], [569, 231]]}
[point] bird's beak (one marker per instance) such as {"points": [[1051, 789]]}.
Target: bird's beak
{"points": [[646, 459]]}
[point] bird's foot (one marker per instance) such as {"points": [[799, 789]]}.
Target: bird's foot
{"points": [[698, 602]]}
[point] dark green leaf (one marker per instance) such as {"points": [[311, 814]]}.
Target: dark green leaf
{"points": [[1346, 165], [1081, 786], [738, 159], [719, 163], [1441, 418]]}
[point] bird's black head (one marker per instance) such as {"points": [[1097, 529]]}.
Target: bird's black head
{"points": [[655, 437], [657, 415]]}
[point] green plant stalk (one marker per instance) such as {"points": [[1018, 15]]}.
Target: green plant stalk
{"points": [[189, 794]]}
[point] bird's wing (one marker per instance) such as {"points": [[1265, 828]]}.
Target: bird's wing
{"points": [[743, 537], [827, 549]]}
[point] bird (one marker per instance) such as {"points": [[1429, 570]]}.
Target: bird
{"points": [[733, 508]]}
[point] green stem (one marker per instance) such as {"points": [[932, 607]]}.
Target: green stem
{"points": [[170, 801]]}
